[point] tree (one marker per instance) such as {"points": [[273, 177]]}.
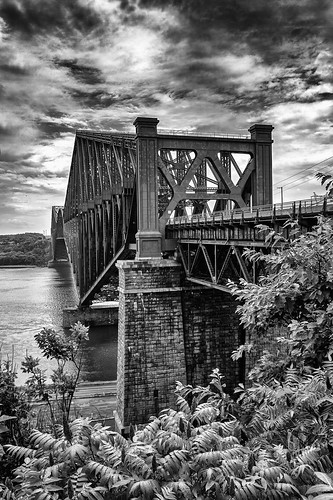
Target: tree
{"points": [[65, 350], [293, 299], [327, 181]]}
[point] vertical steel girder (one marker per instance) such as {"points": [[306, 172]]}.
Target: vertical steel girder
{"points": [[98, 203]]}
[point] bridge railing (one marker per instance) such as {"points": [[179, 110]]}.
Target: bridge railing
{"points": [[313, 205], [193, 133]]}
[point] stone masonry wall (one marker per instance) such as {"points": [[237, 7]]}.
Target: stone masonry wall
{"points": [[151, 352], [211, 331]]}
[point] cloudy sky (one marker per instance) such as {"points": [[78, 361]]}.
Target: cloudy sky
{"points": [[205, 65]]}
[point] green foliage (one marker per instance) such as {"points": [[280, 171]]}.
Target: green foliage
{"points": [[327, 181], [273, 440], [202, 453], [292, 300], [14, 410], [67, 351], [24, 249]]}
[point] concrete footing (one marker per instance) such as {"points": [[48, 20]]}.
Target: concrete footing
{"points": [[98, 314]]}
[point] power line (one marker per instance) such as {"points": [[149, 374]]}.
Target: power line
{"points": [[305, 177], [308, 168]]}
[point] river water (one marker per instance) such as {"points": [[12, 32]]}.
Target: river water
{"points": [[33, 298]]}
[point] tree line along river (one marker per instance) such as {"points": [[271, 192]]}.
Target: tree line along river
{"points": [[32, 298]]}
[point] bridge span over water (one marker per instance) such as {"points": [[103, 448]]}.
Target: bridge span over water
{"points": [[165, 215]]}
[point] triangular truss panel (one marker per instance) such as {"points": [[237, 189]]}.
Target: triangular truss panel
{"points": [[194, 182], [165, 193], [213, 264], [206, 180], [235, 164], [177, 162]]}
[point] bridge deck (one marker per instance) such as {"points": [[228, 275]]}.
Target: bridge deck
{"points": [[308, 207]]}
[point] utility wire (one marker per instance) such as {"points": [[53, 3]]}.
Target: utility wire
{"points": [[308, 168], [296, 183], [306, 177]]}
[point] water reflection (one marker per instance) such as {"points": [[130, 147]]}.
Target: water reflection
{"points": [[33, 298]]}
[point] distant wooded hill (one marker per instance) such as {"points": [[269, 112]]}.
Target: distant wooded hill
{"points": [[24, 249]]}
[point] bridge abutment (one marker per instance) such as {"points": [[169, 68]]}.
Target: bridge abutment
{"points": [[151, 350], [211, 333], [168, 332]]}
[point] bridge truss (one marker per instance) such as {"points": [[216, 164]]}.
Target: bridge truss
{"points": [[58, 244], [100, 205], [211, 247], [123, 189]]}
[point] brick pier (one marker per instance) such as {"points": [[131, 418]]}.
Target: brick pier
{"points": [[167, 332]]}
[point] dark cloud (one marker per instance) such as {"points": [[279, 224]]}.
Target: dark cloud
{"points": [[13, 70], [96, 98], [326, 96], [51, 130], [262, 25], [9, 157], [85, 74], [128, 6], [31, 17], [5, 132], [53, 112]]}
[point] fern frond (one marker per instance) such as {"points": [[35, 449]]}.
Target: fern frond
{"points": [[292, 377], [247, 489], [308, 456], [208, 459], [205, 413], [183, 405], [80, 427], [42, 440], [118, 440], [230, 461], [19, 452], [172, 464], [146, 488], [271, 473], [324, 491], [257, 425], [136, 465], [186, 391], [166, 494], [100, 434], [76, 453], [227, 442], [108, 475], [205, 441], [226, 429], [148, 433], [110, 454], [91, 493], [166, 442], [78, 480], [40, 494], [6, 493]]}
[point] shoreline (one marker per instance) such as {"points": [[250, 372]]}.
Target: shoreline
{"points": [[18, 266]]}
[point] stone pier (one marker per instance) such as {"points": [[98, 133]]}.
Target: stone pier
{"points": [[151, 351]]}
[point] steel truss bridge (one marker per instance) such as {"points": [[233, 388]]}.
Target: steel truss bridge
{"points": [[148, 194]]}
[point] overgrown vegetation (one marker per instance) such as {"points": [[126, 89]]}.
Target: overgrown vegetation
{"points": [[273, 440], [24, 249], [18, 404], [67, 351]]}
